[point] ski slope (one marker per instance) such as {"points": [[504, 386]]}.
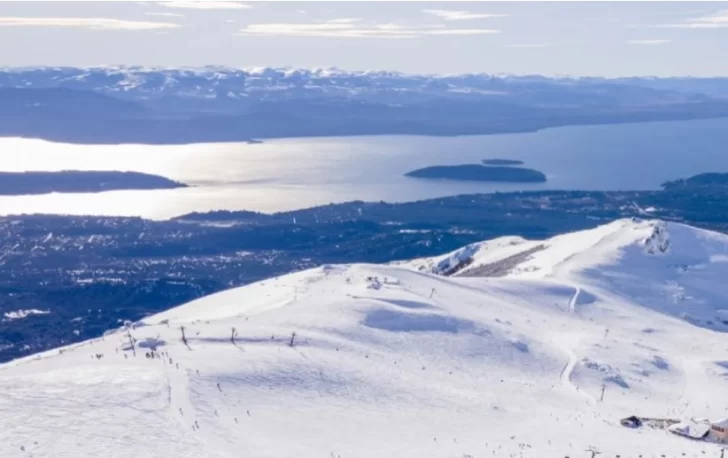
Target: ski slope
{"points": [[506, 356]]}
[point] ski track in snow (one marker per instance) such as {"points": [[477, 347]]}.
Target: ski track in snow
{"points": [[574, 299], [567, 344]]}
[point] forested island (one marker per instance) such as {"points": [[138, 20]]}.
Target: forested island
{"points": [[701, 180], [477, 172], [502, 162], [22, 183]]}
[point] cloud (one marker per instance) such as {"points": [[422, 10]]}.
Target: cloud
{"points": [[152, 13], [681, 13], [462, 32], [205, 5], [84, 23], [528, 45], [649, 42], [455, 15], [326, 29], [353, 28], [345, 20], [718, 20]]}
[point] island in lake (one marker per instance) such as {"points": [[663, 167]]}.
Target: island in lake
{"points": [[712, 179], [476, 172], [502, 162], [22, 183]]}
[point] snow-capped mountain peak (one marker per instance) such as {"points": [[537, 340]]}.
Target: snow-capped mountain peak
{"points": [[670, 267]]}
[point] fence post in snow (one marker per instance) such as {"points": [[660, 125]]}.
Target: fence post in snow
{"points": [[184, 338], [131, 342], [432, 293], [594, 452], [604, 387], [293, 337], [232, 336]]}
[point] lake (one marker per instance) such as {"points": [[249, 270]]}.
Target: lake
{"points": [[295, 173]]}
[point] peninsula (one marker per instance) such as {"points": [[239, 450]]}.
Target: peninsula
{"points": [[23, 183]]}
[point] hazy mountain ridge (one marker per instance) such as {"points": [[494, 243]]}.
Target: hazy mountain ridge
{"points": [[224, 88], [168, 106]]}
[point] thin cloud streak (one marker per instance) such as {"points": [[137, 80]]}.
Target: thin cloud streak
{"points": [[695, 25], [458, 15], [649, 42], [681, 13], [205, 5], [528, 45], [344, 20], [352, 28], [154, 13], [331, 30], [84, 23], [462, 32], [718, 20]]}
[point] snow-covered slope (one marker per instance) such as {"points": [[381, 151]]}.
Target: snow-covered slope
{"points": [[374, 361], [672, 268]]}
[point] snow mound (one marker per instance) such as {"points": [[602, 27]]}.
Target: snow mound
{"points": [[542, 359]]}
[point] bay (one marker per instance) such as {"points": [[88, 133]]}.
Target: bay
{"points": [[286, 174]]}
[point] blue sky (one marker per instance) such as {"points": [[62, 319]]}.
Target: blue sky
{"points": [[573, 38]]}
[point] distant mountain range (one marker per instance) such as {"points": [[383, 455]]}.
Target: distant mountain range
{"points": [[163, 105]]}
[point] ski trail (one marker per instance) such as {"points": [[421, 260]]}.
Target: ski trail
{"points": [[574, 299], [182, 408], [566, 344], [179, 400]]}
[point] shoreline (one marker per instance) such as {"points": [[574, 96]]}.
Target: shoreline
{"points": [[263, 139], [313, 208]]}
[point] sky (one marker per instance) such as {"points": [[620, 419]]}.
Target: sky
{"points": [[567, 38]]}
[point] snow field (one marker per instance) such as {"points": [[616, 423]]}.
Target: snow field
{"points": [[396, 361]]}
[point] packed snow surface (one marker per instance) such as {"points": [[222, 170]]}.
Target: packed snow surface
{"points": [[532, 349]]}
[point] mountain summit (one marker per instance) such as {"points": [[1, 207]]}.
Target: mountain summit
{"points": [[507, 347]]}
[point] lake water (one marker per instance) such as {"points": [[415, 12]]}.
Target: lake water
{"points": [[296, 173]]}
